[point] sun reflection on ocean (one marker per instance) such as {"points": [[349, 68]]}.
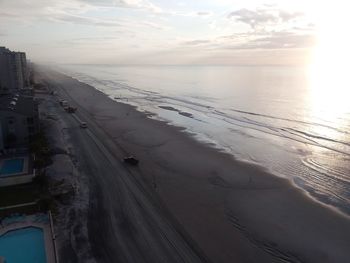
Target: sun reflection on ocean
{"points": [[328, 102], [328, 96], [329, 74]]}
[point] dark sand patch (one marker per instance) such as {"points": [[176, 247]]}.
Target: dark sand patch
{"points": [[183, 113]]}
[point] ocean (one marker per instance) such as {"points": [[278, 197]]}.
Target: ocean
{"points": [[294, 121]]}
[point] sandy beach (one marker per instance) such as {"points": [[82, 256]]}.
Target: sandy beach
{"points": [[233, 211]]}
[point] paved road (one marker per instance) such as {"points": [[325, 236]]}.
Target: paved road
{"points": [[126, 223]]}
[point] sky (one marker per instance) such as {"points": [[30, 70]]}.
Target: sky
{"points": [[205, 32]]}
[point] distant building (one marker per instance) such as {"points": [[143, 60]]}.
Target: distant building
{"points": [[19, 120], [13, 71]]}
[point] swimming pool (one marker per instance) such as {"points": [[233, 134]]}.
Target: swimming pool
{"points": [[11, 166], [23, 245]]}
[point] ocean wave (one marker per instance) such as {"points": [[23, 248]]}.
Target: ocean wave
{"points": [[244, 120], [291, 120]]}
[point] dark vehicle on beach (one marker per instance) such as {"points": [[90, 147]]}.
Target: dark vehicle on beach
{"points": [[131, 160], [83, 125], [64, 103], [70, 109]]}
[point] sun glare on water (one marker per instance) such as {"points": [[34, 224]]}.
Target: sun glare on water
{"points": [[329, 72]]}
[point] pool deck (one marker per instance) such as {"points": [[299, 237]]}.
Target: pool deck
{"points": [[48, 236]]}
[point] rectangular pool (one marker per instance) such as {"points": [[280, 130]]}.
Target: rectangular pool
{"points": [[11, 166], [23, 245]]}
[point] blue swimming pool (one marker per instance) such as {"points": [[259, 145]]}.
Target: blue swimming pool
{"points": [[23, 245], [11, 166]]}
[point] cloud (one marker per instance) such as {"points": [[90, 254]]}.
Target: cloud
{"points": [[81, 20], [195, 42], [118, 27], [136, 4], [45, 8], [87, 41], [76, 12], [263, 16], [7, 15], [204, 13], [127, 25], [277, 40], [28, 11], [281, 40], [273, 28], [153, 25], [309, 27], [289, 16]]}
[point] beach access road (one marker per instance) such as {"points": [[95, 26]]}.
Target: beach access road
{"points": [[126, 223]]}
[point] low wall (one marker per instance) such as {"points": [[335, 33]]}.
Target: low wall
{"points": [[18, 179]]}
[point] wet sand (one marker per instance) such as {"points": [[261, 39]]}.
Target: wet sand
{"points": [[234, 211]]}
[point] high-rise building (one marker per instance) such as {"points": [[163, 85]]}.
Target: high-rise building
{"points": [[25, 73], [13, 71]]}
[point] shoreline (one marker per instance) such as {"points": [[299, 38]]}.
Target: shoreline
{"points": [[310, 166], [230, 208], [198, 137]]}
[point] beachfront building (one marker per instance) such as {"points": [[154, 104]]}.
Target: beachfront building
{"points": [[13, 71], [18, 112], [19, 120]]}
